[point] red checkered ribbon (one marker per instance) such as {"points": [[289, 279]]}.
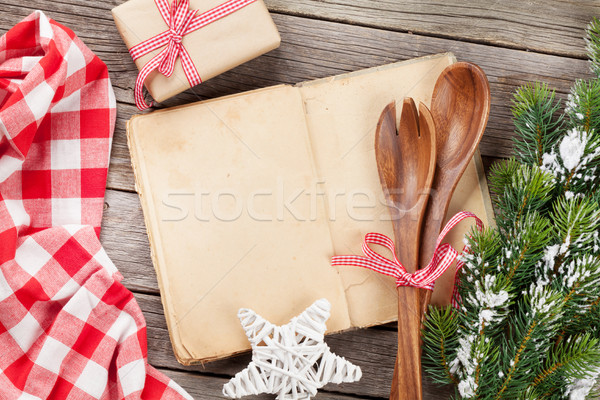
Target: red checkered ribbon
{"points": [[443, 257], [180, 21]]}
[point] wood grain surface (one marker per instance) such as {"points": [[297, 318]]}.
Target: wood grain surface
{"points": [[514, 41], [548, 26], [310, 49], [307, 52]]}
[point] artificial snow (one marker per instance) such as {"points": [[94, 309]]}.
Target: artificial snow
{"points": [[571, 103], [550, 254], [548, 159], [463, 356], [467, 387], [565, 246], [580, 388], [487, 315], [572, 148]]}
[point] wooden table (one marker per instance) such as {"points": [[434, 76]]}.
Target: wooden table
{"points": [[514, 41]]}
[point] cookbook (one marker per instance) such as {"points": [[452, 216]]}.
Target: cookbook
{"points": [[247, 197]]}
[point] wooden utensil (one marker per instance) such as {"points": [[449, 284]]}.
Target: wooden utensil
{"points": [[406, 163], [460, 107]]}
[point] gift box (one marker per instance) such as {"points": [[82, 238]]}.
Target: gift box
{"points": [[191, 40]]}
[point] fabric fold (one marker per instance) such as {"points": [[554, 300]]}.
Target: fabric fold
{"points": [[68, 328]]}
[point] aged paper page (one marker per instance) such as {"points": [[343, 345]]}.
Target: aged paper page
{"points": [[229, 194], [342, 114]]}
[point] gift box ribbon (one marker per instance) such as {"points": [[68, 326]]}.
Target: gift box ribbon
{"points": [[443, 256], [180, 21]]}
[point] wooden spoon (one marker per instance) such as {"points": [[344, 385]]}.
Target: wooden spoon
{"points": [[406, 163], [460, 107]]}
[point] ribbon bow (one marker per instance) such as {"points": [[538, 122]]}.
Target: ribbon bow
{"points": [[180, 21], [443, 256]]}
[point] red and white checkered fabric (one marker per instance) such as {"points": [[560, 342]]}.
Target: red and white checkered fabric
{"points": [[68, 328]]}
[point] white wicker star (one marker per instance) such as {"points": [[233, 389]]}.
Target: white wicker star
{"points": [[291, 361]]}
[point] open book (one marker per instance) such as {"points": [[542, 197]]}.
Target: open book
{"points": [[246, 199]]}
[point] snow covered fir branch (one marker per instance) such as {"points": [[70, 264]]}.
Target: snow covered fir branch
{"points": [[528, 325]]}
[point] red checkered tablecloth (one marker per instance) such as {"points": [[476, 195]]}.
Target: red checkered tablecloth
{"points": [[68, 328]]}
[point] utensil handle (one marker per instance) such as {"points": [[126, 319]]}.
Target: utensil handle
{"points": [[435, 213], [407, 380]]}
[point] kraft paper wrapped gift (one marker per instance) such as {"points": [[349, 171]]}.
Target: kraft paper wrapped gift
{"points": [[215, 48]]}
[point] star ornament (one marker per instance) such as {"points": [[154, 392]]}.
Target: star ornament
{"points": [[291, 361]]}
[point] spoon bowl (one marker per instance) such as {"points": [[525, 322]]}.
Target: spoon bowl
{"points": [[460, 108]]}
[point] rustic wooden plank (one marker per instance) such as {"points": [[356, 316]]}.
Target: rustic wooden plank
{"points": [[120, 173], [374, 350], [311, 49], [205, 387], [314, 49], [125, 240], [549, 26]]}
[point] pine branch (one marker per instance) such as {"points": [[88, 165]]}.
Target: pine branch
{"points": [[593, 45], [576, 222], [528, 326], [529, 190], [523, 249], [568, 360], [583, 105], [574, 161], [501, 174], [483, 311], [440, 344], [534, 321], [534, 115]]}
